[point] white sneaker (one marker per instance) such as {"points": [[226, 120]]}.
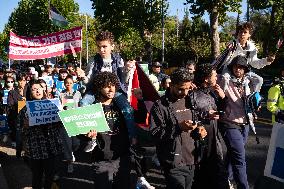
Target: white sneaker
{"points": [[90, 146], [142, 183], [231, 185], [73, 157], [70, 168]]}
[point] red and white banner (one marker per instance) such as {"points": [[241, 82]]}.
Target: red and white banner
{"points": [[54, 44]]}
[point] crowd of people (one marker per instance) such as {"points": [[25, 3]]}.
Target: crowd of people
{"points": [[202, 104]]}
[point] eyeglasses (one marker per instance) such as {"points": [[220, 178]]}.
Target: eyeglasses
{"points": [[36, 89], [10, 81]]}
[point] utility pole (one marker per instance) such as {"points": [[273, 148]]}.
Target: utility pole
{"points": [[163, 33], [87, 44], [177, 19], [247, 10]]}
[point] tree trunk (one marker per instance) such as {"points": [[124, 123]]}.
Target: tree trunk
{"points": [[248, 11], [268, 40], [237, 25], [214, 34]]}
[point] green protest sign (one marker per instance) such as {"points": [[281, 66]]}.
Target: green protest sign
{"points": [[82, 120]]}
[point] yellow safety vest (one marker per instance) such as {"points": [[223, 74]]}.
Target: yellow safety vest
{"points": [[275, 101]]}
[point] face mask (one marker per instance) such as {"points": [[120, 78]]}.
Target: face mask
{"points": [[10, 84]]}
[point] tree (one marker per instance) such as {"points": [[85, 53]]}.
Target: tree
{"points": [[228, 29], [276, 9], [185, 29], [216, 10], [31, 18], [119, 16]]}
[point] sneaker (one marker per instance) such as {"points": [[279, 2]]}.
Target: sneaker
{"points": [[142, 183], [231, 185], [73, 157], [90, 146], [70, 168], [56, 177], [13, 144], [5, 138]]}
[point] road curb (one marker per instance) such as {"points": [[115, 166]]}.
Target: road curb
{"points": [[3, 182], [264, 182]]}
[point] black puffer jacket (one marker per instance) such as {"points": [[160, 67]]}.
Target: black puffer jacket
{"points": [[170, 140], [211, 165], [203, 100]]}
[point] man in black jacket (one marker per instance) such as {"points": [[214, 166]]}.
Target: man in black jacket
{"points": [[207, 99], [172, 123]]}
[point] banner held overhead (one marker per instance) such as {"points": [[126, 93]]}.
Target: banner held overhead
{"points": [[40, 47]]}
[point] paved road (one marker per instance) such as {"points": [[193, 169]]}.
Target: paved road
{"points": [[18, 174]]}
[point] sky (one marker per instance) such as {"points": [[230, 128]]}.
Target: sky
{"points": [[7, 7]]}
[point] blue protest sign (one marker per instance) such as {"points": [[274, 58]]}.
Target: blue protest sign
{"points": [[75, 86], [48, 80], [43, 111], [5, 96], [59, 86]]}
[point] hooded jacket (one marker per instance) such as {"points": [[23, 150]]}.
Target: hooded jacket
{"points": [[250, 52]]}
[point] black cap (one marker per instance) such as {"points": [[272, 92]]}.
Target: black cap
{"points": [[239, 60], [156, 64]]}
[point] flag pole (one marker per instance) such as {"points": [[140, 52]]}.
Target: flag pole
{"points": [[81, 50], [9, 64]]}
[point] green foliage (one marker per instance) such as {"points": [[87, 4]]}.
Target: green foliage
{"points": [[199, 7], [131, 45], [228, 29], [119, 16], [268, 22], [124, 17]]}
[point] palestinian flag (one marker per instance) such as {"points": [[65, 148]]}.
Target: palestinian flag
{"points": [[140, 80], [56, 18]]}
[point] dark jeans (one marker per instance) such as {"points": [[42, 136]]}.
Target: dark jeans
{"points": [[235, 140], [70, 144], [179, 177], [19, 141], [40, 167], [114, 174]]}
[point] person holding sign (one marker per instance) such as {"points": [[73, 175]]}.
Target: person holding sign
{"points": [[8, 86], [111, 154], [43, 142], [4, 108], [69, 99], [59, 84], [16, 97]]}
